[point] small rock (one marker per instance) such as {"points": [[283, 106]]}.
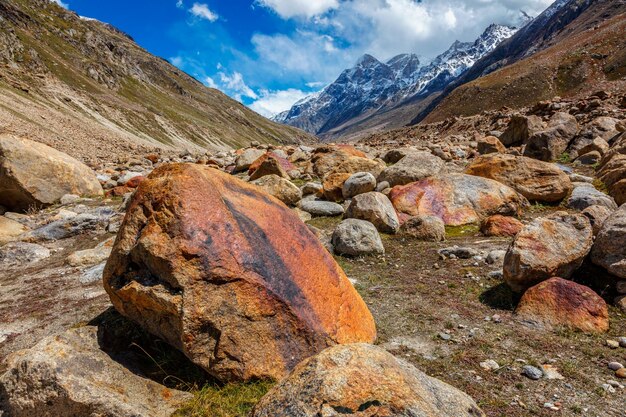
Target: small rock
{"points": [[457, 252], [532, 372], [359, 183], [322, 208], [614, 366], [613, 344], [550, 372], [355, 237], [621, 373], [490, 365], [622, 341]]}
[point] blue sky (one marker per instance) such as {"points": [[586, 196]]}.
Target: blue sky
{"points": [[270, 53]]}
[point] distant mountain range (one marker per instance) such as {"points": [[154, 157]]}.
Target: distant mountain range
{"points": [[373, 88]]}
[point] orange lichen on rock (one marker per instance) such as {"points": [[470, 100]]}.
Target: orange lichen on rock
{"points": [[229, 275], [457, 199]]}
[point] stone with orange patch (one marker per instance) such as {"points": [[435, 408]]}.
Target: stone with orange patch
{"points": [[343, 159], [550, 246], [559, 303], [135, 181], [366, 381], [333, 186], [230, 276], [277, 163], [457, 199], [501, 226], [535, 180]]}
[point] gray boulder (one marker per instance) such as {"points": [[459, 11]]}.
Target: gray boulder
{"points": [[359, 183], [375, 208], [550, 143], [426, 228], [22, 253], [322, 208], [553, 246], [585, 195], [609, 249], [355, 237], [413, 167]]}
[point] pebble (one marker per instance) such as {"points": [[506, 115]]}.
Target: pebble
{"points": [[613, 344], [614, 366], [551, 406], [532, 372], [622, 341], [490, 365], [445, 336], [621, 373], [550, 372]]}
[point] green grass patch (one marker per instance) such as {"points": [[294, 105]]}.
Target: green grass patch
{"points": [[462, 231], [325, 223], [564, 158], [230, 400]]}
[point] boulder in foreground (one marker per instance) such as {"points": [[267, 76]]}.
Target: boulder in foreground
{"points": [[35, 175], [457, 199], [362, 380], [245, 290], [559, 303], [553, 246], [69, 375]]}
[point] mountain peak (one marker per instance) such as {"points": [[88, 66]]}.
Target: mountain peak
{"points": [[367, 60]]}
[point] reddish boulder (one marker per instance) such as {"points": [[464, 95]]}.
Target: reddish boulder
{"points": [[119, 191], [490, 144], [343, 159], [501, 226], [559, 303], [135, 181], [457, 199], [229, 275], [272, 164]]}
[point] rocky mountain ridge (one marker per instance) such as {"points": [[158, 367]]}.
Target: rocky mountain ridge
{"points": [[375, 87]]}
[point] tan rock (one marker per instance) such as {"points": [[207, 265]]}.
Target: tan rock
{"points": [[244, 289], [362, 380], [333, 186], [69, 375], [278, 187], [535, 180], [35, 175], [10, 230], [490, 144]]}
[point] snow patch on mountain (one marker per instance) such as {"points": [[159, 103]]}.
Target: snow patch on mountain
{"points": [[371, 85]]}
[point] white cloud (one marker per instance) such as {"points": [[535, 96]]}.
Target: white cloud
{"points": [[177, 61], [299, 8], [235, 86], [202, 11], [321, 47], [210, 82], [270, 103], [180, 4], [60, 3]]}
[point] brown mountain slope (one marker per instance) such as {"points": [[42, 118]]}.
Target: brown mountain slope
{"points": [[88, 89], [586, 55]]}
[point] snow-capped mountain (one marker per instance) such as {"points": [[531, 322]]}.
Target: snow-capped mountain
{"points": [[372, 85]]}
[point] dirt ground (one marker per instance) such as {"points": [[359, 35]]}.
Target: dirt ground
{"points": [[415, 296]]}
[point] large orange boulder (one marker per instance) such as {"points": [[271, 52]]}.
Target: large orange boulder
{"points": [[535, 180], [457, 199], [498, 225], [230, 276], [362, 380], [559, 303]]}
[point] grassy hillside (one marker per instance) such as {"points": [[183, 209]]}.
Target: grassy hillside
{"points": [[83, 86]]}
